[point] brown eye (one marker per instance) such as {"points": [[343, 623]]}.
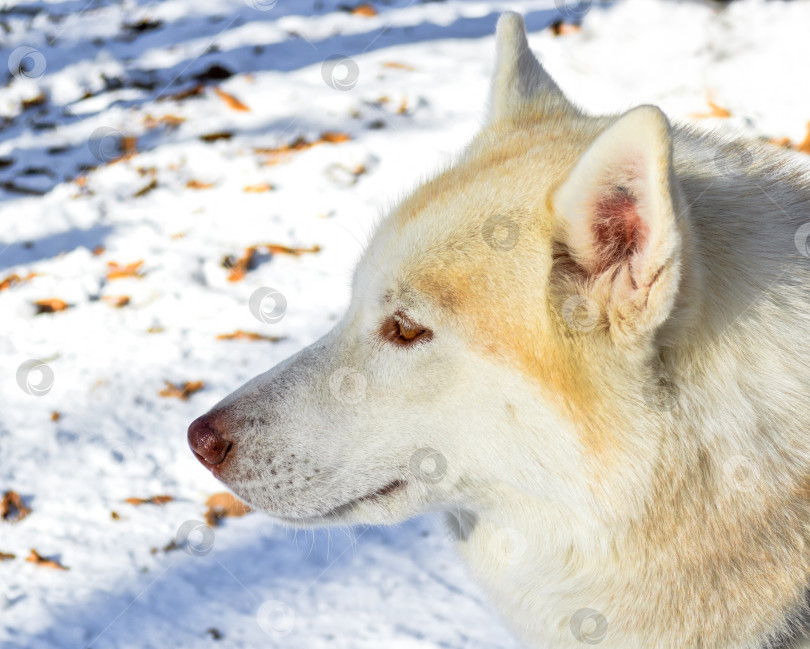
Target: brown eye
{"points": [[402, 331]]}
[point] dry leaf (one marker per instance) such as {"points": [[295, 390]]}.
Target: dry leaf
{"points": [[366, 10], [154, 500], [143, 191], [224, 505], [115, 516], [196, 184], [98, 250], [154, 329], [248, 335], [171, 121], [804, 145], [5, 556], [259, 188], [117, 301], [562, 28], [397, 65], [213, 137], [13, 280], [334, 137], [232, 102], [278, 249], [185, 94], [37, 558], [181, 391], [716, 111], [240, 267], [56, 415], [12, 507], [116, 271], [51, 305], [300, 144]]}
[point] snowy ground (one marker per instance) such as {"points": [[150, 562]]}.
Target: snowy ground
{"points": [[102, 79]]}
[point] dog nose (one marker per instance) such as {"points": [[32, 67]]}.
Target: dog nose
{"points": [[208, 444]]}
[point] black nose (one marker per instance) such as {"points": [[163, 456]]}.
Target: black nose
{"points": [[210, 445]]}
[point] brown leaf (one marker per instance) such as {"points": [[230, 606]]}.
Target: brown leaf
{"points": [[143, 191], [181, 391], [224, 505], [171, 121], [334, 137], [397, 65], [248, 335], [51, 305], [115, 516], [366, 10], [118, 301], [56, 415], [98, 250], [14, 279], [213, 137], [185, 94], [804, 145], [278, 249], [276, 154], [116, 271], [232, 102], [240, 267], [37, 558], [153, 500], [197, 184], [562, 28], [716, 111], [259, 188], [5, 556], [12, 507]]}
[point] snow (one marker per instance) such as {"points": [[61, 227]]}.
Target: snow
{"points": [[415, 93]]}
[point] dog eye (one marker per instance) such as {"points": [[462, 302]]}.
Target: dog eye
{"points": [[400, 331]]}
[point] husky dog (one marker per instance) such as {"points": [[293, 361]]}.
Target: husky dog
{"points": [[586, 342]]}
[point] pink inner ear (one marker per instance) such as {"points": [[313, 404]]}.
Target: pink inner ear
{"points": [[618, 229]]}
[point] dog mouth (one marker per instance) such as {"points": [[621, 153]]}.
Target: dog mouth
{"points": [[338, 511]]}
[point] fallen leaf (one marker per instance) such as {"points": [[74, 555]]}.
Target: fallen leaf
{"points": [[143, 191], [12, 507], [215, 633], [56, 415], [366, 10], [397, 65], [197, 184], [334, 137], [115, 516], [278, 249], [183, 391], [804, 145], [116, 271], [34, 101], [259, 188], [153, 500], [5, 556], [118, 301], [224, 505], [213, 137], [37, 558], [14, 279], [171, 121], [248, 335], [98, 250], [154, 329], [240, 267], [562, 28], [51, 305], [194, 91], [276, 154], [716, 111], [232, 102]]}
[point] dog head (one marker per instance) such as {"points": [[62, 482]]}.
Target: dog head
{"points": [[502, 321]]}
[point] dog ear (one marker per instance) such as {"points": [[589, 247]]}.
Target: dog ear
{"points": [[618, 212], [520, 86]]}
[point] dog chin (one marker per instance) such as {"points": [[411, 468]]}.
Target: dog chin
{"points": [[387, 505]]}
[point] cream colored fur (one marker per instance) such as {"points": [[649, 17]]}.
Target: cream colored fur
{"points": [[618, 433]]}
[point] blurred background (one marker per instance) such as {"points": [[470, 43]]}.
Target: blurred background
{"points": [[184, 186]]}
